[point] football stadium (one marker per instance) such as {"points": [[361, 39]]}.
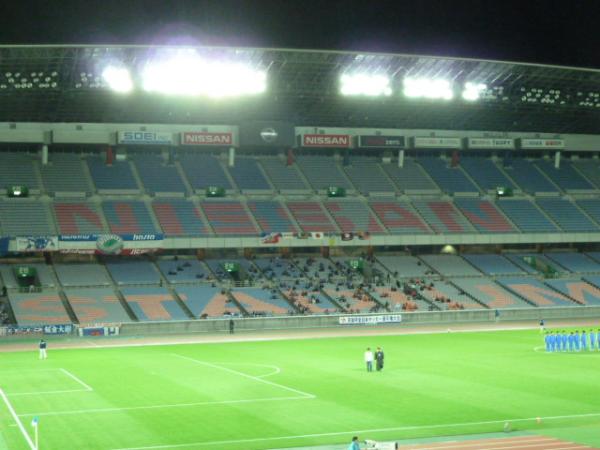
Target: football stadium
{"points": [[208, 248]]}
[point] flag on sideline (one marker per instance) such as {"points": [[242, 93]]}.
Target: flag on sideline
{"points": [[34, 422]]}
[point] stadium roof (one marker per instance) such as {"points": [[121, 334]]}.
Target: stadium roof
{"points": [[64, 84]]}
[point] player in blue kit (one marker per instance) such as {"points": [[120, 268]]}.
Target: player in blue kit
{"points": [[571, 342], [592, 340], [553, 341], [584, 342], [547, 341], [576, 340], [564, 338]]}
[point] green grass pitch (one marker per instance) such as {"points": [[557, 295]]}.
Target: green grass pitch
{"points": [[290, 393]]}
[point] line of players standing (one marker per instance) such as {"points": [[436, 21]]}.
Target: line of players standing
{"points": [[573, 341]]}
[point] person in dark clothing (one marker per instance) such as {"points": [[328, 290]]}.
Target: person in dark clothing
{"points": [[231, 326], [379, 359]]}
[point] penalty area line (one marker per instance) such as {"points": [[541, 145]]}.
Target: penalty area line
{"points": [[73, 377], [17, 420]]}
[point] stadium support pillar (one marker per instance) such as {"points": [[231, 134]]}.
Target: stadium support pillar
{"points": [[44, 154], [557, 160], [231, 161], [400, 158]]}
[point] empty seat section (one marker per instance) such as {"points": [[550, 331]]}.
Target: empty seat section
{"points": [[367, 176], [78, 218], [203, 171], [261, 301], [590, 168], [38, 308], [206, 301], [271, 216], [247, 175], [528, 177], [353, 216], [153, 304], [228, 218], [450, 265], [577, 289], [494, 265], [591, 207], [311, 216], [18, 169], [535, 291], [45, 276], [283, 177], [565, 177], [183, 270], [450, 179], [399, 217], [82, 275], [410, 177], [322, 172], [25, 217], [128, 217], [485, 173], [490, 293], [567, 215], [442, 216], [178, 217], [525, 215], [404, 266], [64, 173], [112, 178], [157, 176], [520, 260], [96, 305], [484, 216], [575, 262], [133, 272]]}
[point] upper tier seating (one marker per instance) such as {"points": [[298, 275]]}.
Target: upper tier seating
{"points": [[285, 178], [490, 293], [484, 216], [183, 270], [114, 178], [311, 216], [316, 267], [153, 304], [248, 176], [82, 275], [64, 173], [18, 169], [443, 217], [322, 172], [450, 265], [347, 298], [203, 171], [566, 215], [411, 178], [206, 300], [591, 207], [261, 301], [157, 176], [494, 265], [566, 177], [450, 179], [580, 291], [278, 268], [97, 305], [25, 217], [528, 177], [133, 272], [526, 216], [404, 266], [38, 308], [78, 218], [399, 217], [590, 168], [535, 291], [271, 216], [128, 217], [314, 302], [353, 216], [451, 292], [228, 217], [575, 262], [367, 176], [485, 173], [44, 274], [217, 267], [178, 217]]}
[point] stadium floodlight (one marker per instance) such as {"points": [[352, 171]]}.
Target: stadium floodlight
{"points": [[186, 74], [428, 88], [365, 84], [118, 79], [473, 91]]}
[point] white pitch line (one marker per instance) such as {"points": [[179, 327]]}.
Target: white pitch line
{"points": [[356, 432], [275, 372], [18, 394], [242, 374], [19, 423], [70, 375], [174, 405]]}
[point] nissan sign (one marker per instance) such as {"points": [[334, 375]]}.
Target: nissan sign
{"points": [[326, 140], [207, 138], [269, 135]]}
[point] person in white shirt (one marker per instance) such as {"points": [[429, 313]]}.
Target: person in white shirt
{"points": [[369, 359]]}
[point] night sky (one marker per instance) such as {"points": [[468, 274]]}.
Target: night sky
{"points": [[564, 32]]}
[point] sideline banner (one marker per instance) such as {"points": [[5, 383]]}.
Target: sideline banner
{"points": [[558, 144], [370, 320], [58, 329], [99, 331], [37, 243]]}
